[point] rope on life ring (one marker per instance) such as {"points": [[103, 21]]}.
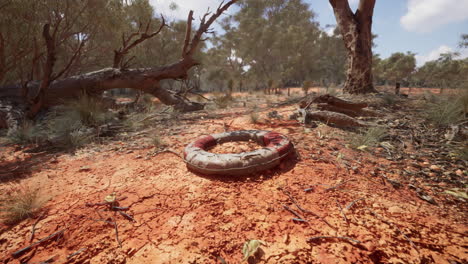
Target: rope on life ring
{"points": [[275, 147]]}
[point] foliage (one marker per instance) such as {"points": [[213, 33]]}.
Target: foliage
{"points": [[223, 101], [28, 132], [306, 86], [448, 110], [398, 66], [389, 99], [19, 203], [76, 123], [368, 138]]}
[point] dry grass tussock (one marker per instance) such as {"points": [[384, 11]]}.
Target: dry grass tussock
{"points": [[18, 203]]}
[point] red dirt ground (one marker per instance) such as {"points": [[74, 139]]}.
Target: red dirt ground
{"points": [[182, 217]]}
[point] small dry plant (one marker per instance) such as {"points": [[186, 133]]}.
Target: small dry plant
{"points": [[18, 203], [254, 117], [368, 138]]}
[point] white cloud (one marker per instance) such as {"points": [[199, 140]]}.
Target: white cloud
{"points": [[184, 6], [330, 30], [435, 54], [428, 15]]}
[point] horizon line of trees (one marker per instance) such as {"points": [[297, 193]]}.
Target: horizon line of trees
{"points": [[263, 44]]}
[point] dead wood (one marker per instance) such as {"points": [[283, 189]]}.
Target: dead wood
{"points": [[339, 103], [22, 251], [18, 99], [332, 108], [332, 118]]}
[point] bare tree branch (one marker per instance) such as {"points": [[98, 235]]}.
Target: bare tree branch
{"points": [[126, 47], [188, 33], [205, 26]]}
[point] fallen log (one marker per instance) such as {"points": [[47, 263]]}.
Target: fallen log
{"points": [[340, 103], [332, 118]]}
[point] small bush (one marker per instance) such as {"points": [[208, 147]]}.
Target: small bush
{"points": [[389, 99], [306, 86], [75, 123], [368, 138], [448, 110], [18, 204], [462, 153], [223, 101], [157, 141], [28, 132], [254, 117]]}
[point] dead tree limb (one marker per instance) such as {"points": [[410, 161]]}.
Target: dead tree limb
{"points": [[55, 92], [129, 42]]}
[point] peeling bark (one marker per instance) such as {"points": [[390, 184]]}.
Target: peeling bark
{"points": [[356, 29]]}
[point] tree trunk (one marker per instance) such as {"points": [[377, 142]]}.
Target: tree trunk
{"points": [[356, 29]]}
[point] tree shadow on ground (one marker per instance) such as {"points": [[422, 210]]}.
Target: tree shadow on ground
{"points": [[18, 169]]}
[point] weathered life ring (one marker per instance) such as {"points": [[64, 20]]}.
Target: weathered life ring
{"points": [[276, 147]]}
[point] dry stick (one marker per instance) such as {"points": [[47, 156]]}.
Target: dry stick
{"points": [[117, 234], [304, 210], [353, 202], [392, 224], [333, 237], [165, 151], [338, 185], [33, 229], [129, 217], [20, 252], [76, 253], [293, 212], [114, 223], [341, 210]]}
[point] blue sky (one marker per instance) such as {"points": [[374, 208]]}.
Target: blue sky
{"points": [[425, 27]]}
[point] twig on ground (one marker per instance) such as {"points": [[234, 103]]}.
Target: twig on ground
{"points": [[302, 209], [117, 234], [341, 210], [76, 253], [353, 202], [166, 151], [394, 225], [33, 228], [292, 211], [338, 185], [114, 223], [22, 251], [333, 237], [129, 217], [105, 203]]}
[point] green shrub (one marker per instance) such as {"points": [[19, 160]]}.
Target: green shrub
{"points": [[223, 101], [368, 138], [75, 123], [448, 110], [28, 132], [389, 99]]}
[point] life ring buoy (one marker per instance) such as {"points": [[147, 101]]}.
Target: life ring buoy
{"points": [[275, 147]]}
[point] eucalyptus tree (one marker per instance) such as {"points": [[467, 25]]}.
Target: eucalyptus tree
{"points": [[272, 41], [398, 67], [356, 30], [56, 36]]}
